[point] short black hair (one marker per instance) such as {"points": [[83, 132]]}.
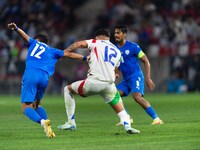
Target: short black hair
{"points": [[102, 31], [42, 37], [121, 27]]}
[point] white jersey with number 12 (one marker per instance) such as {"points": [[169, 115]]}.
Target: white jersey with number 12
{"points": [[104, 57]]}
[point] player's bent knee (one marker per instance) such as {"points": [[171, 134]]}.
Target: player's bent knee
{"points": [[115, 100], [65, 88], [26, 105]]}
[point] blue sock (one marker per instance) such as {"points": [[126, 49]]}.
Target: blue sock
{"points": [[41, 112], [32, 114], [151, 112]]}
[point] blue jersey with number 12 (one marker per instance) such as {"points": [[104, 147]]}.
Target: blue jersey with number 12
{"points": [[41, 56]]}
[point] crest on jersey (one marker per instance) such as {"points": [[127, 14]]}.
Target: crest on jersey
{"points": [[127, 52]]}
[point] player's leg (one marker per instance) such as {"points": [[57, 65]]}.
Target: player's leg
{"points": [[124, 91], [45, 122], [70, 109], [29, 112], [41, 87], [28, 109], [147, 107], [74, 88], [124, 117], [29, 91], [41, 111], [137, 90], [39, 95], [113, 98]]}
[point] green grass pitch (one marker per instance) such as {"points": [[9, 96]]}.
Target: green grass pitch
{"points": [[96, 125]]}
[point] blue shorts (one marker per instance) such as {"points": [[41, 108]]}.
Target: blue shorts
{"points": [[34, 84], [134, 84]]}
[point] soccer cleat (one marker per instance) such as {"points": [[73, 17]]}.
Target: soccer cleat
{"points": [[131, 130], [157, 121], [120, 124], [67, 126], [47, 129]]}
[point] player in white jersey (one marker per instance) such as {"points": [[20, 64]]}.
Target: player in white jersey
{"points": [[103, 60], [106, 56]]}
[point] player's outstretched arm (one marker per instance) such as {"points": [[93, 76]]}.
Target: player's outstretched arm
{"points": [[74, 46], [75, 55], [13, 26]]}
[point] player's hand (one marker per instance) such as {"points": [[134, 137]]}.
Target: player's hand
{"points": [[150, 84], [88, 58], [12, 26]]}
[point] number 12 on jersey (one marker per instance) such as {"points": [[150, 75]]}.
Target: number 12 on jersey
{"points": [[109, 54], [37, 55]]}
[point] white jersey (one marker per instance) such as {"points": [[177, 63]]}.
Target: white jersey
{"points": [[104, 57]]}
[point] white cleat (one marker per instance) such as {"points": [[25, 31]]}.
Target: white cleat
{"points": [[67, 126], [131, 130]]}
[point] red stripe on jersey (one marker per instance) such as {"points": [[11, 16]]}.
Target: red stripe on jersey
{"points": [[95, 51], [80, 89], [93, 41]]}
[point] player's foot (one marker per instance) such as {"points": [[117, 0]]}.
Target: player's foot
{"points": [[67, 126], [157, 121], [47, 128], [120, 124], [131, 130]]}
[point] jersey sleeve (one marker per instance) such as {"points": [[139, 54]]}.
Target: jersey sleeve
{"points": [[31, 40], [138, 51], [58, 53], [89, 42]]}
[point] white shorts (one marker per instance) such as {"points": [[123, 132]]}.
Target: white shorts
{"points": [[91, 86]]}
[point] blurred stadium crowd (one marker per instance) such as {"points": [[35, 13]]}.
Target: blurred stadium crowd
{"points": [[163, 28]]}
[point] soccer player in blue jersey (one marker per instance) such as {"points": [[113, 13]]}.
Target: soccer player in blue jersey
{"points": [[133, 78], [40, 65]]}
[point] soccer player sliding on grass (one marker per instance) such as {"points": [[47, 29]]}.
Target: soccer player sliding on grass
{"points": [[104, 59], [40, 65]]}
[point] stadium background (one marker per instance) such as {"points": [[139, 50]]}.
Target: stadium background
{"points": [[167, 31]]}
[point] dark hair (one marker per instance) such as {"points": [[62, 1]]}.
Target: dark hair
{"points": [[121, 27], [42, 37], [102, 31]]}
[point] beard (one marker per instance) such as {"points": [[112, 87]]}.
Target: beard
{"points": [[118, 40]]}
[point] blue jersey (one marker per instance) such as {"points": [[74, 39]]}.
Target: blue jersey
{"points": [[129, 65], [41, 56], [40, 65]]}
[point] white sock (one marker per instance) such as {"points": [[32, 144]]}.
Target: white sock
{"points": [[69, 105], [42, 122], [124, 118]]}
